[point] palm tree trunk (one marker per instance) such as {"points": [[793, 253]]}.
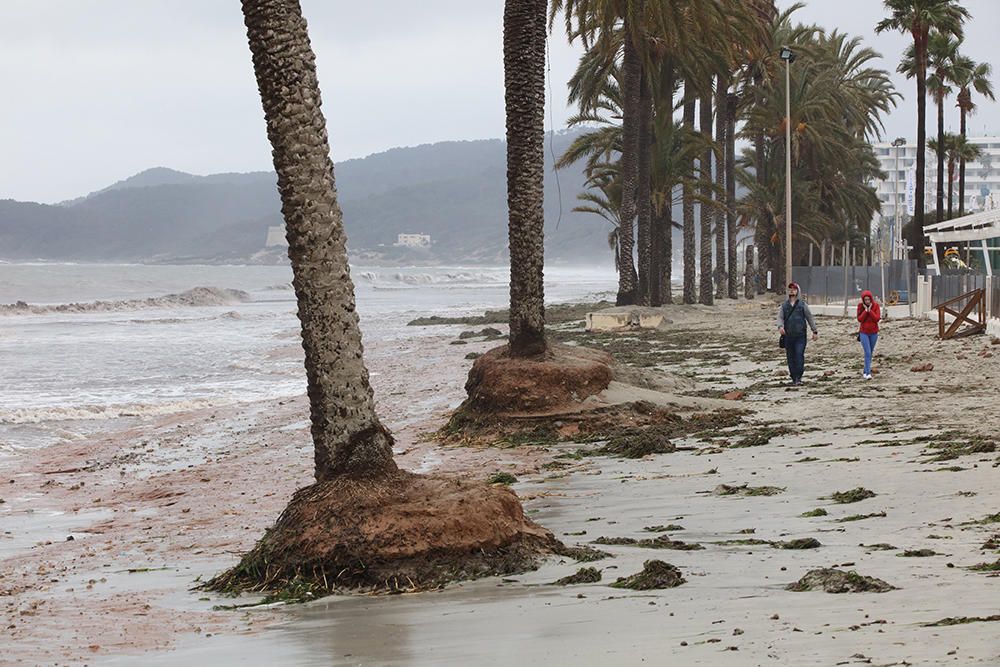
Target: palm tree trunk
{"points": [[731, 194], [665, 229], [644, 201], [761, 235], [917, 228], [961, 166], [687, 203], [951, 184], [524, 84], [940, 157], [348, 438], [632, 77], [721, 113], [705, 208]]}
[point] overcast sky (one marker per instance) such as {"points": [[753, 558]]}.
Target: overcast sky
{"points": [[97, 90]]}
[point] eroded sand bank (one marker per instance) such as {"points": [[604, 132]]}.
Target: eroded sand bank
{"points": [[153, 508]]}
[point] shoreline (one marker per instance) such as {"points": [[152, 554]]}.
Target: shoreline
{"points": [[156, 506]]}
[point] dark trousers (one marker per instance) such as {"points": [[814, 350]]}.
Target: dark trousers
{"points": [[795, 350]]}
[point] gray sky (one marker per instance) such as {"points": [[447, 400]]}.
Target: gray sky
{"points": [[97, 90]]}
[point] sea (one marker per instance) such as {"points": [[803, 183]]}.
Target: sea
{"points": [[85, 348]]}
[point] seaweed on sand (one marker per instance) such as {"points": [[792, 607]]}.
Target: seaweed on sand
{"points": [[853, 496], [585, 575], [655, 574], [832, 580]]}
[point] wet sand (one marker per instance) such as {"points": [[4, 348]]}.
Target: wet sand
{"points": [[153, 508]]}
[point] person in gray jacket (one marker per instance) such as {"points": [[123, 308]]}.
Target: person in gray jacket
{"points": [[793, 317]]}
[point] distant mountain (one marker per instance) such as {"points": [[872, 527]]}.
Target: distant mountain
{"points": [[454, 191]]}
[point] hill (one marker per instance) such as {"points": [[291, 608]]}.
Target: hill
{"points": [[454, 191]]}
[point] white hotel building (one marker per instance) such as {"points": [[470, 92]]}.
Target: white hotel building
{"points": [[982, 179]]}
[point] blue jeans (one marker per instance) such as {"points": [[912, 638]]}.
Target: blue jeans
{"points": [[795, 351], [868, 344]]}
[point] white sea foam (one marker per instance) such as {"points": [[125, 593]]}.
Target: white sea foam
{"points": [[195, 297], [91, 412]]}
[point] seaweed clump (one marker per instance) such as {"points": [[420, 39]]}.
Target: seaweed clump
{"points": [[853, 496], [832, 580], [585, 575], [655, 575]]}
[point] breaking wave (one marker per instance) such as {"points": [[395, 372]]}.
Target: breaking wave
{"points": [[198, 296], [398, 279]]}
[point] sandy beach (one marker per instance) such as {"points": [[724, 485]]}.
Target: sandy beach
{"points": [[104, 539]]}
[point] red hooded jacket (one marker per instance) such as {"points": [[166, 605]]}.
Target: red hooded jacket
{"points": [[868, 319]]}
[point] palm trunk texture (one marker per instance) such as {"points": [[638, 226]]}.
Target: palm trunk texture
{"points": [[347, 436], [524, 84]]}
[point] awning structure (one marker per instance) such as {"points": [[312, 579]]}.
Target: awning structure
{"points": [[970, 228]]}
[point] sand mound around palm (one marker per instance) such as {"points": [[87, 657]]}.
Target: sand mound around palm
{"points": [[564, 376], [396, 533]]}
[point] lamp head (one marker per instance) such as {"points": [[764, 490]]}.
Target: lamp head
{"points": [[899, 141], [786, 54]]}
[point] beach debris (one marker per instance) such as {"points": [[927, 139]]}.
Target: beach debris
{"points": [[733, 395], [798, 543], [660, 542], [663, 529], [585, 575], [961, 620], [655, 575], [819, 511], [746, 490], [489, 333], [638, 443], [993, 543], [501, 478], [473, 355], [880, 546], [582, 554], [832, 580], [917, 553], [761, 436], [922, 368], [986, 567], [853, 496], [862, 517]]}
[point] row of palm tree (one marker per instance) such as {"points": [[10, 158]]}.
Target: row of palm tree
{"points": [[949, 72], [923, 20], [715, 64]]}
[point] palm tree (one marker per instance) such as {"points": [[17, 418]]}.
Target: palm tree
{"points": [[721, 125], [956, 149], [687, 200], [916, 18], [706, 212], [348, 438], [364, 522], [942, 60], [524, 83], [971, 76]]}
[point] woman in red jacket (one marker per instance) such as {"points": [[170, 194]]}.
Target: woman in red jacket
{"points": [[869, 314]]}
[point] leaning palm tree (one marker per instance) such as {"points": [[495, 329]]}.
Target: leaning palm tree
{"points": [[916, 18], [971, 76], [364, 523]]}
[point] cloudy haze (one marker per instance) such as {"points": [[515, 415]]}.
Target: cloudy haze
{"points": [[97, 90]]}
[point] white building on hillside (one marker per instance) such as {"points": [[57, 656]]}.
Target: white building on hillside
{"points": [[413, 241], [982, 178]]}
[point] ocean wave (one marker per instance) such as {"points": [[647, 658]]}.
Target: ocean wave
{"points": [[91, 412], [198, 296], [376, 278]]}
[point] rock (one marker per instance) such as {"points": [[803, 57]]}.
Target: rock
{"points": [[922, 368], [733, 395], [473, 355], [829, 373]]}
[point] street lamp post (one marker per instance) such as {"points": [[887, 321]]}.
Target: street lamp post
{"points": [[788, 56], [897, 144]]}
